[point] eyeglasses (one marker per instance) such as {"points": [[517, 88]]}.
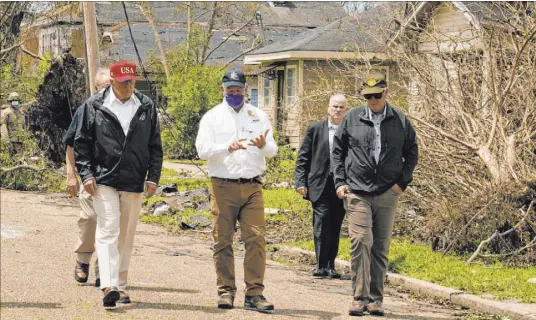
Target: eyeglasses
{"points": [[376, 96]]}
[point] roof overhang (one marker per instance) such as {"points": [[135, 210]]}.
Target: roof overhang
{"points": [[314, 55], [260, 71]]}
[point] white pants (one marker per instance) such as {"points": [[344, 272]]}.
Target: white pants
{"points": [[117, 218]]}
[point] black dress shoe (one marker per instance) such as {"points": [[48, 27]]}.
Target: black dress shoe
{"points": [[111, 295], [320, 272], [333, 274]]}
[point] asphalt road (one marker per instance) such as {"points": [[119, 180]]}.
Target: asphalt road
{"points": [[171, 277]]}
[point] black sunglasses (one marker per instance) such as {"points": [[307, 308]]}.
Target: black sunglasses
{"points": [[376, 96]]}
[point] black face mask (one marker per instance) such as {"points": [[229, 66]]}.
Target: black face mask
{"points": [[376, 96]]}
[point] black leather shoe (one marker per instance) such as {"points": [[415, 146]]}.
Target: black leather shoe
{"points": [[111, 295], [258, 303], [81, 271], [333, 274], [320, 272]]}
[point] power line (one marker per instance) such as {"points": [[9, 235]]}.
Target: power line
{"points": [[152, 89]]}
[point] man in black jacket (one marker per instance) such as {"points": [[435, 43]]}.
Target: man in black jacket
{"points": [[374, 155], [118, 150], [314, 181]]}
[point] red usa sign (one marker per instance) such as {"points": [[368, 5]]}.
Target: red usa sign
{"points": [[127, 70]]}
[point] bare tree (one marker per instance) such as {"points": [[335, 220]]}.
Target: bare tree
{"points": [[472, 101]]}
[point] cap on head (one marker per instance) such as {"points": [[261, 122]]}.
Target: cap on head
{"points": [[234, 78], [374, 83], [13, 96], [123, 71]]}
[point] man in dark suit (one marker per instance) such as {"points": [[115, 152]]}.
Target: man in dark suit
{"points": [[314, 181]]}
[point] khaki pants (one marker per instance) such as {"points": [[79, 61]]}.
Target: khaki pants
{"points": [[371, 220], [232, 201], [87, 223], [117, 218]]}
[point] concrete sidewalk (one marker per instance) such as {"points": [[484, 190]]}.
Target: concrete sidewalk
{"points": [[171, 277]]}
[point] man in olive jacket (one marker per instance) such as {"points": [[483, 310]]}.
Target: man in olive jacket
{"points": [[117, 151], [374, 155]]}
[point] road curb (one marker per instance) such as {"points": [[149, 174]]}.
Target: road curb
{"points": [[512, 310]]}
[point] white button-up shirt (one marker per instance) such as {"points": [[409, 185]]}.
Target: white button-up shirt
{"points": [[377, 120], [123, 111], [222, 125]]}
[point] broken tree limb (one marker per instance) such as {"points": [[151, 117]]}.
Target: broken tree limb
{"points": [[502, 234], [443, 133], [227, 38], [20, 167], [31, 54]]}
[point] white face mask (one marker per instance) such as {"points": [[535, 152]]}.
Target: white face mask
{"points": [[14, 103]]}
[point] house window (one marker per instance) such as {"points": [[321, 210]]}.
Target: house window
{"points": [[254, 97], [291, 86], [267, 92]]}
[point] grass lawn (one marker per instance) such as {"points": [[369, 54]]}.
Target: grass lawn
{"points": [[419, 261]]}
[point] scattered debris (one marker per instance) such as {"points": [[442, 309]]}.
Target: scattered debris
{"points": [[284, 185], [203, 192], [167, 189]]}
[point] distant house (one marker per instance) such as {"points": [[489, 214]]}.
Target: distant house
{"points": [[296, 76], [63, 29], [447, 33]]}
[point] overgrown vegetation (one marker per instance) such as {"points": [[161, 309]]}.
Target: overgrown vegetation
{"points": [[191, 92], [419, 261]]}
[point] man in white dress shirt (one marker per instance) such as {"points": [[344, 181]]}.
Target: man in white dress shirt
{"points": [[236, 137], [118, 151]]}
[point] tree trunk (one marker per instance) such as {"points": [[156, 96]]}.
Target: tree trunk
{"points": [[148, 14]]}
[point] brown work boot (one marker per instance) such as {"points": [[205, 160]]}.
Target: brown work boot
{"points": [[258, 303], [357, 308], [123, 297], [111, 295], [226, 301], [375, 309], [81, 271]]}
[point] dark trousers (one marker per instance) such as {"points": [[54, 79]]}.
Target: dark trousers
{"points": [[328, 214]]}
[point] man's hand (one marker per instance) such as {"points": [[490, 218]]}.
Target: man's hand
{"points": [[150, 189], [259, 141], [236, 145], [342, 191], [72, 186], [302, 191], [90, 186], [396, 189]]}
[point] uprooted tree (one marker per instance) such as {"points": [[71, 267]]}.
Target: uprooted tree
{"points": [[473, 103]]}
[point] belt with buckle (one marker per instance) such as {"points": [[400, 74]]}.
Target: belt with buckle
{"points": [[243, 180]]}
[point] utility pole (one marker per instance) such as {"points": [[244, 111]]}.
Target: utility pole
{"points": [[92, 44]]}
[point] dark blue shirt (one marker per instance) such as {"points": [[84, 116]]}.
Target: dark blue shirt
{"points": [[68, 138]]}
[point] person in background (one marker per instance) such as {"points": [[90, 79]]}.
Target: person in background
{"points": [[87, 220], [314, 181]]}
